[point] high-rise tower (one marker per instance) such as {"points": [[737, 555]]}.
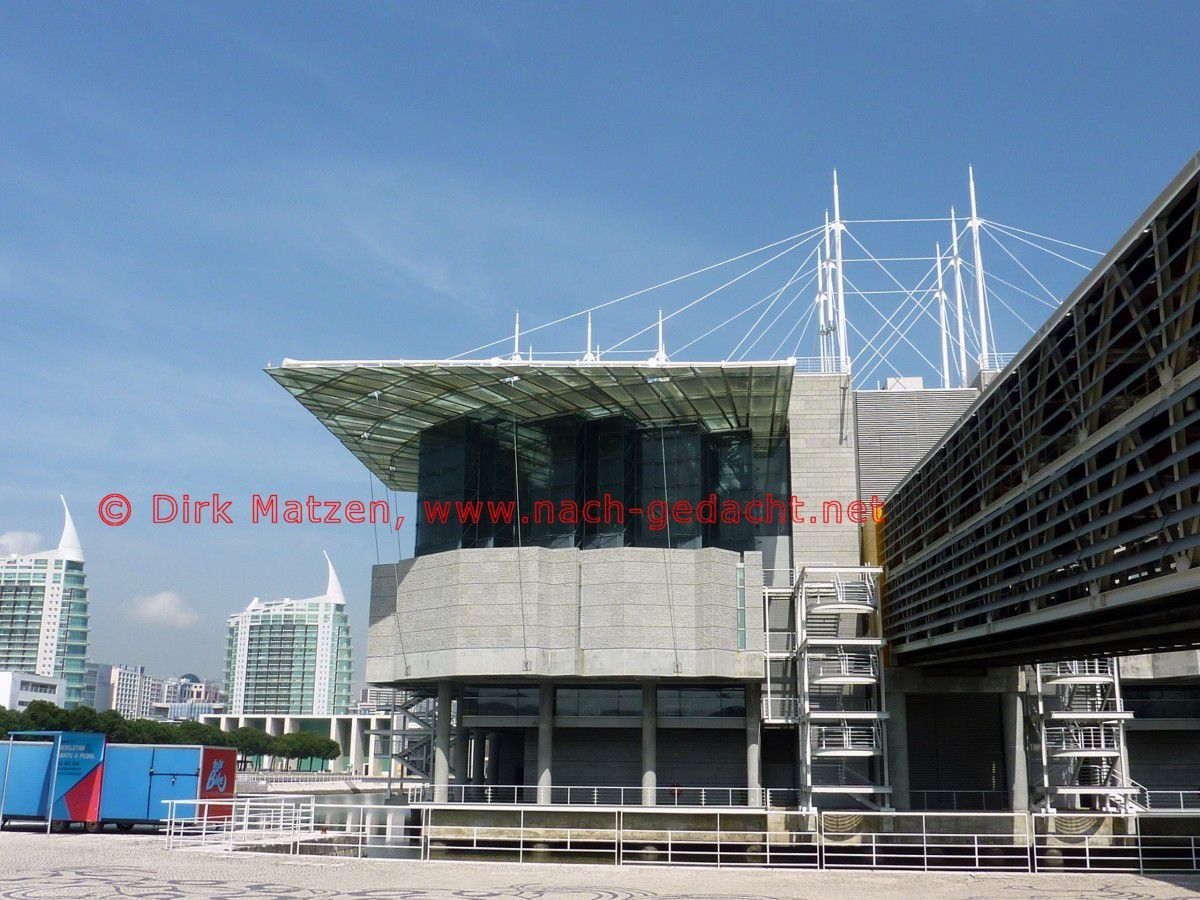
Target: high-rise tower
{"points": [[44, 612]]}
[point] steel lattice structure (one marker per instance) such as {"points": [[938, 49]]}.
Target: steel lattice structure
{"points": [[1061, 516]]}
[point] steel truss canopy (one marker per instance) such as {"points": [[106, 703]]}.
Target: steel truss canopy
{"points": [[378, 408]]}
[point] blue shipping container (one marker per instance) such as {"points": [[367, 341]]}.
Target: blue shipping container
{"points": [[138, 778], [134, 781], [26, 788]]}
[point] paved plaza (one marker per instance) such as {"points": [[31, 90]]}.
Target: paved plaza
{"points": [[111, 865]]}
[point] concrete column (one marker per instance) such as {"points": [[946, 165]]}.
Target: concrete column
{"points": [[492, 772], [649, 743], [1012, 717], [356, 746], [274, 727], [478, 746], [896, 726], [375, 761], [441, 743], [754, 795], [335, 735], [462, 749], [545, 744]]}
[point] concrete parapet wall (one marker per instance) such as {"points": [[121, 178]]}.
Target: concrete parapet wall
{"points": [[629, 612]]}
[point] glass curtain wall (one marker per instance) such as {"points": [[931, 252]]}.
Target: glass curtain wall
{"points": [[469, 473]]}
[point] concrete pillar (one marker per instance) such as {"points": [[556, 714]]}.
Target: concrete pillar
{"points": [[356, 746], [649, 743], [375, 761], [387, 746], [545, 744], [462, 749], [441, 744], [1012, 717], [754, 795], [335, 735], [492, 773], [274, 727], [478, 747], [896, 726]]}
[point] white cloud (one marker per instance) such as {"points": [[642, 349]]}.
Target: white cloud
{"points": [[19, 542], [166, 609]]}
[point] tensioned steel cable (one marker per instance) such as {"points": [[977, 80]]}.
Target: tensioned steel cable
{"points": [[630, 296], [517, 527], [395, 565], [374, 524], [396, 577], [662, 443]]}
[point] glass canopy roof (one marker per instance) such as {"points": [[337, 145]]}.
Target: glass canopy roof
{"points": [[378, 409]]}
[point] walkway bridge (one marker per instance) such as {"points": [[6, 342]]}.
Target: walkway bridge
{"points": [[1060, 517]]}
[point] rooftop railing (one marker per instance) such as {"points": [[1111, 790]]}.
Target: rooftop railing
{"points": [[1077, 668]]}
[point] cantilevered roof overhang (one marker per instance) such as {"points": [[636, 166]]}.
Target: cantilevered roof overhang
{"points": [[378, 408]]}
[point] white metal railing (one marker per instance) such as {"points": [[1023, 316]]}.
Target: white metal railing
{"points": [[1088, 702], [269, 777], [953, 801], [1160, 800], [844, 665], [576, 795], [780, 709], [916, 841], [995, 361], [781, 642], [1078, 668], [1083, 738], [779, 578], [816, 365], [845, 737], [230, 824]]}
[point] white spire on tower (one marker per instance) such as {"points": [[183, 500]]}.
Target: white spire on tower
{"points": [[333, 589], [68, 544]]}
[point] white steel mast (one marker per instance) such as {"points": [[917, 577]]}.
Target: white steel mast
{"points": [[980, 290], [516, 354], [823, 333], [956, 263], [843, 346], [941, 297]]}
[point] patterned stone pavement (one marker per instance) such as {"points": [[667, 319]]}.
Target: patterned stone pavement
{"points": [[36, 866]]}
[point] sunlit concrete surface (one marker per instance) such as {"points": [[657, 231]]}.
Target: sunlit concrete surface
{"points": [[112, 865]]}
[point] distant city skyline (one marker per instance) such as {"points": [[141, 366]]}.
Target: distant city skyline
{"points": [[338, 185]]}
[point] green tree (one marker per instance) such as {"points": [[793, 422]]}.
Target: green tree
{"points": [[251, 742]]}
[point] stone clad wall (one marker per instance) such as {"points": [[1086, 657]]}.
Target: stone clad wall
{"points": [[586, 613], [823, 467]]}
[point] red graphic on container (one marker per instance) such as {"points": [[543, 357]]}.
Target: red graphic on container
{"points": [[83, 799], [218, 772]]}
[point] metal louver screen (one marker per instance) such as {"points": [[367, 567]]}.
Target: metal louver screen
{"points": [[897, 428]]}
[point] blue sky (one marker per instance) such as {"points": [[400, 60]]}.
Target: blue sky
{"points": [[188, 192]]}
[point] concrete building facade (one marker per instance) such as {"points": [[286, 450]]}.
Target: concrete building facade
{"points": [[819, 658], [19, 689]]}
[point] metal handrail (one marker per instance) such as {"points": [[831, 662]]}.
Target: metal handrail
{"points": [[780, 708], [832, 840], [582, 795], [269, 777], [1066, 668], [955, 801], [844, 665], [1083, 738], [845, 737]]}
